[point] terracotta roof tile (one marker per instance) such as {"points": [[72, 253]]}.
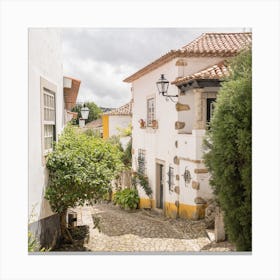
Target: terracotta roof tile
{"points": [[217, 71], [94, 124], [208, 44], [124, 110], [218, 44]]}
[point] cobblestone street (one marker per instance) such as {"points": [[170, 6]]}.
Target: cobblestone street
{"points": [[114, 230]]}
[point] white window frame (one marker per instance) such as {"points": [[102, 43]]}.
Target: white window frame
{"points": [[48, 112], [141, 156], [151, 110]]}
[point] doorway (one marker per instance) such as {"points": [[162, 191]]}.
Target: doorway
{"points": [[159, 185]]}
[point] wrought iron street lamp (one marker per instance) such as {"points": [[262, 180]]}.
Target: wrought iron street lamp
{"points": [[162, 86], [84, 113]]}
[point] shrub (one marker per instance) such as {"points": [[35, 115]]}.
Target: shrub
{"points": [[80, 170], [229, 151], [127, 131], [127, 155], [127, 198]]}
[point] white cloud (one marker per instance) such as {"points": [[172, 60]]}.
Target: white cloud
{"points": [[102, 58]]}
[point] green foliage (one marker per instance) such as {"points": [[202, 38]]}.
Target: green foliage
{"points": [[127, 131], [229, 151], [34, 245], [142, 180], [127, 155], [94, 111], [80, 170], [92, 132], [115, 141], [127, 198]]}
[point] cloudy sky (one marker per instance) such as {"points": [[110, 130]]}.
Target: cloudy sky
{"points": [[102, 58]]}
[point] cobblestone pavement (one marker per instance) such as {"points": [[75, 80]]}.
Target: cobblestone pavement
{"points": [[112, 229]]}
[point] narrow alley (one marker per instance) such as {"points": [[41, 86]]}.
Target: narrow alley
{"points": [[112, 229]]}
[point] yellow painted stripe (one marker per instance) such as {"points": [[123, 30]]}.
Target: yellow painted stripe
{"points": [[147, 203], [105, 124], [193, 212]]}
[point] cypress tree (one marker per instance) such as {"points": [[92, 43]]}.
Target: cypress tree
{"points": [[229, 151]]}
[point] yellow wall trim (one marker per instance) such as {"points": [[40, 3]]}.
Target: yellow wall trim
{"points": [[186, 211], [147, 203], [192, 212], [105, 125]]}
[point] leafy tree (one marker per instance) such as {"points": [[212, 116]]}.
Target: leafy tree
{"points": [[229, 155], [94, 111], [127, 155], [80, 170]]}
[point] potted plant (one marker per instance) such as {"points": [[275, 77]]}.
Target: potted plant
{"points": [[154, 123], [142, 123]]}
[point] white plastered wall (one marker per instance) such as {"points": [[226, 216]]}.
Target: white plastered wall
{"points": [[45, 60], [160, 143]]}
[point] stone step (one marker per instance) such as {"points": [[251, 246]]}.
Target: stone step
{"points": [[210, 234]]}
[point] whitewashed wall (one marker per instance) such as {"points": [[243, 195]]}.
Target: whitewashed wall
{"points": [[45, 60], [160, 143]]}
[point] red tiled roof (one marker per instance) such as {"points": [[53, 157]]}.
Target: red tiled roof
{"points": [[124, 110], [94, 124], [208, 44], [70, 94], [218, 44], [217, 71]]}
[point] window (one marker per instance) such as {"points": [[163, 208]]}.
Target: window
{"points": [[210, 108], [170, 177], [142, 161], [150, 111], [48, 116]]}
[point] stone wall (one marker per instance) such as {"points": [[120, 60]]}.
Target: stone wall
{"points": [[47, 230]]}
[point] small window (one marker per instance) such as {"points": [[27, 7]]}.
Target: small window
{"points": [[170, 177], [210, 108], [142, 161], [150, 111], [48, 116]]}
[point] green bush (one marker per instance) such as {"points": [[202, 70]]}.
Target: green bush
{"points": [[92, 132], [229, 155], [127, 198], [127, 131], [127, 155], [80, 168]]}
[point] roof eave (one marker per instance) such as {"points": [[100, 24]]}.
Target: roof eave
{"points": [[199, 83], [154, 65]]}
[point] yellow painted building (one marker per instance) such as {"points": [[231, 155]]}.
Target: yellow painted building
{"points": [[116, 119]]}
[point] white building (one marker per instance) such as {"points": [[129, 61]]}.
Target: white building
{"points": [[47, 117], [115, 120], [167, 137]]}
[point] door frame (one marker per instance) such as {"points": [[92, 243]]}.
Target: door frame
{"points": [[157, 189]]}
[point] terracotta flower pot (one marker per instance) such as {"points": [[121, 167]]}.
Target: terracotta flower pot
{"points": [[154, 124]]}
